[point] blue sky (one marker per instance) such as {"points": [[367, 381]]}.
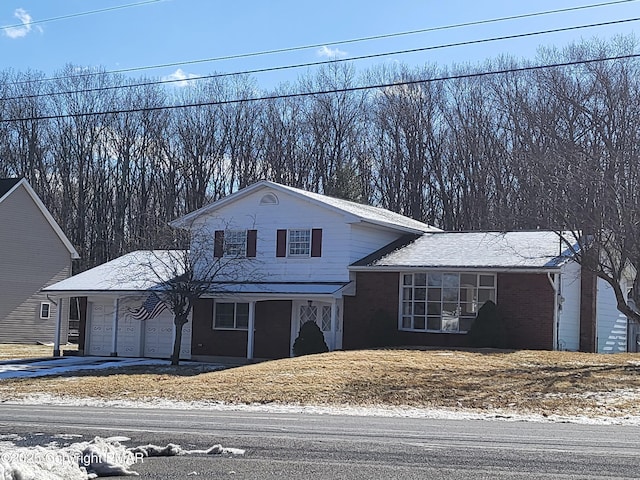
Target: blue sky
{"points": [[174, 31]]}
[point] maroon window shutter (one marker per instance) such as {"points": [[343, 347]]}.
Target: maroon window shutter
{"points": [[218, 244], [252, 240], [316, 242], [281, 243]]}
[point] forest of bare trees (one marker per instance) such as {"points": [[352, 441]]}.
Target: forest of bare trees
{"points": [[523, 149]]}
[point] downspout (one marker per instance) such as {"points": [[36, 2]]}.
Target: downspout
{"points": [[556, 317]]}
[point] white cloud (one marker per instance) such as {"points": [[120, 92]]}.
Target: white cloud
{"points": [[331, 52], [19, 31], [180, 78]]}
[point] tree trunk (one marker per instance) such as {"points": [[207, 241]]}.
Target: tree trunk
{"points": [[179, 322]]}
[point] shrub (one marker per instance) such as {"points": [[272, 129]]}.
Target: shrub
{"points": [[488, 329], [310, 340]]}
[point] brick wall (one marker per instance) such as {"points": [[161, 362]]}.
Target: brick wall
{"points": [[365, 315], [207, 341], [527, 303], [588, 301]]}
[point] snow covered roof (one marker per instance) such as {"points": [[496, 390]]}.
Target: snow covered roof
{"points": [[365, 213], [10, 185], [490, 250], [134, 272], [145, 270]]}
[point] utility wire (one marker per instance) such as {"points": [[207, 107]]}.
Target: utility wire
{"points": [[327, 62], [81, 14], [326, 92], [343, 42]]}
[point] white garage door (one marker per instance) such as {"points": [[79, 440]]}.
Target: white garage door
{"points": [[158, 337], [101, 329]]}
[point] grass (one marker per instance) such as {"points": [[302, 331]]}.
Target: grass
{"points": [[15, 351], [539, 382]]}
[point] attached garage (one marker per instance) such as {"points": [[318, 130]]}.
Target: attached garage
{"points": [[100, 329], [135, 338]]}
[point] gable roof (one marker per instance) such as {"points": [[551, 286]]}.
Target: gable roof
{"points": [[474, 250], [10, 185], [364, 213]]}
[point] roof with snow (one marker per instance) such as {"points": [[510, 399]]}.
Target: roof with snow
{"points": [[365, 213], [488, 250], [134, 272], [145, 270]]}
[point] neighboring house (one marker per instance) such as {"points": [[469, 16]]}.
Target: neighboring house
{"points": [[34, 253], [365, 275]]}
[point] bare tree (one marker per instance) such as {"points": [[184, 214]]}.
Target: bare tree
{"points": [[180, 277]]}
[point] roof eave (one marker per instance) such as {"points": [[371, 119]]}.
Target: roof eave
{"points": [[454, 268]]}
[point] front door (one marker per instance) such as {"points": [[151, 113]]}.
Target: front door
{"points": [[318, 312]]}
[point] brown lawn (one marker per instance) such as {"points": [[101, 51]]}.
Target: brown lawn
{"points": [[520, 381], [11, 351]]}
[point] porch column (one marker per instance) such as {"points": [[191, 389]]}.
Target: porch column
{"points": [[334, 322], [114, 341], [251, 328], [56, 338]]}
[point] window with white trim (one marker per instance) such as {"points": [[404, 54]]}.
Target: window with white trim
{"points": [[45, 310], [235, 243], [445, 302], [299, 243], [231, 316]]}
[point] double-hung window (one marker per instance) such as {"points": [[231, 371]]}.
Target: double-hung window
{"points": [[231, 316], [299, 243], [235, 243], [443, 301]]}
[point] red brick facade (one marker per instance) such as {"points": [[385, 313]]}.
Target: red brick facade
{"points": [[588, 298], [271, 338], [207, 341], [526, 301]]}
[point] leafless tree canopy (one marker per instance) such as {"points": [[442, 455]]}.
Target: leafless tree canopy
{"points": [[550, 148]]}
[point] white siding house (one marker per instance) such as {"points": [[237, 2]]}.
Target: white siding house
{"points": [[366, 276], [294, 249]]}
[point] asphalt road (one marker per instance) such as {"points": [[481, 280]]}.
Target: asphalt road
{"points": [[305, 446]]}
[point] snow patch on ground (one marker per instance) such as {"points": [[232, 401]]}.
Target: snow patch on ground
{"points": [[378, 411], [64, 365], [101, 457]]}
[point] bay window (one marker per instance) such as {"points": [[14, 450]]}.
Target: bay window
{"points": [[443, 301]]}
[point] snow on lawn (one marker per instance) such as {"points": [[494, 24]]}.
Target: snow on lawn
{"points": [[101, 457], [379, 411], [58, 366]]}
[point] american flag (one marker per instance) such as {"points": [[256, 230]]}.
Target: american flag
{"points": [[151, 308]]}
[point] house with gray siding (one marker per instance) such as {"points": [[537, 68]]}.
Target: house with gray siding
{"points": [[34, 253]]}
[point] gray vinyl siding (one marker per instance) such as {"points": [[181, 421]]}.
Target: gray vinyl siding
{"points": [[32, 256]]}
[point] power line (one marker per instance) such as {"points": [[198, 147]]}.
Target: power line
{"points": [[327, 62], [341, 42], [82, 14], [327, 92]]}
